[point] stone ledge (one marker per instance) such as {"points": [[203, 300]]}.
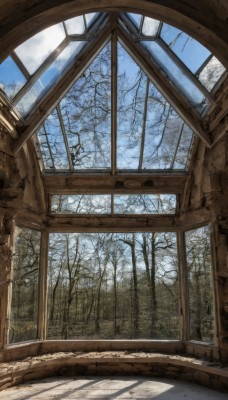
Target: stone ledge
{"points": [[210, 374]]}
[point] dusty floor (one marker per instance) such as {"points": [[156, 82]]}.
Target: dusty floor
{"points": [[110, 388]]}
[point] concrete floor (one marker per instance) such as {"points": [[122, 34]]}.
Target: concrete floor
{"points": [[110, 388]]}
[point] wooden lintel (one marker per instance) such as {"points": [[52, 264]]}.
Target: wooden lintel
{"points": [[113, 224], [60, 184], [175, 98], [53, 97]]}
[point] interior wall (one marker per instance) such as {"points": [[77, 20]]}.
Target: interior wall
{"points": [[206, 192]]}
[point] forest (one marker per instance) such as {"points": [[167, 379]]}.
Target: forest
{"points": [[112, 286]]}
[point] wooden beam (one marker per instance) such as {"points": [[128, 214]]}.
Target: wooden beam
{"points": [[67, 184], [53, 97], [183, 287], [175, 98], [125, 223], [42, 310]]}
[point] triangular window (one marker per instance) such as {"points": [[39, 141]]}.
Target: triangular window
{"points": [[150, 135]]}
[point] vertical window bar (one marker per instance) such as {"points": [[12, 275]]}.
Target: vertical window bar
{"points": [[183, 286], [65, 137], [114, 100], [42, 313], [144, 125]]}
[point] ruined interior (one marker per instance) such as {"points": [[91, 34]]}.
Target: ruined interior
{"points": [[117, 133]]}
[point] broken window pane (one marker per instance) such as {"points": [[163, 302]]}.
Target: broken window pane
{"points": [[81, 204], [201, 304], [190, 52], [35, 50], [145, 204], [11, 78], [25, 285]]}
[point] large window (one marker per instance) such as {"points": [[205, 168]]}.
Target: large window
{"points": [[25, 283], [113, 285]]}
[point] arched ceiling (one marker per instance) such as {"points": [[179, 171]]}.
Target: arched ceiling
{"points": [[206, 20]]}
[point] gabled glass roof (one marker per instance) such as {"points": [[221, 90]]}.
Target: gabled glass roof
{"points": [[112, 119], [150, 134]]}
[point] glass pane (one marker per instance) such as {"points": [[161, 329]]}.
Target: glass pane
{"points": [[201, 307], [56, 141], [11, 78], [112, 285], [90, 18], [191, 52], [75, 26], [45, 149], [81, 204], [136, 19], [25, 283], [130, 108], [176, 75], [150, 26], [183, 151], [145, 204], [162, 132], [211, 73], [86, 112], [36, 50], [49, 77]]}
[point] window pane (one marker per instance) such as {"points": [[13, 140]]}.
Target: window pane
{"points": [[90, 17], [180, 80], [100, 286], [81, 204], [183, 152], [24, 305], [145, 204], [211, 73], [44, 147], [150, 26], [75, 26], [49, 77], [56, 141], [163, 129], [201, 307], [86, 113], [130, 108], [35, 51], [11, 78], [192, 53], [136, 18]]}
